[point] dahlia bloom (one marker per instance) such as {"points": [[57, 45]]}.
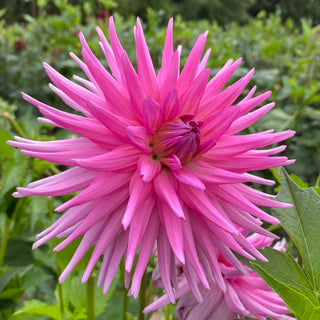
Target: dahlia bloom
{"points": [[245, 295], [158, 160]]}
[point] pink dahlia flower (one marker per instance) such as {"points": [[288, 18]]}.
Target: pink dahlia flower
{"points": [[244, 296], [158, 160]]}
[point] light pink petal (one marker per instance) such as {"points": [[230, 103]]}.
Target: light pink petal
{"points": [[198, 201], [146, 73], [115, 123], [234, 197], [166, 54], [234, 302], [109, 86], [148, 167], [223, 99], [116, 257], [138, 226], [70, 218], [192, 279], [122, 159], [250, 118], [139, 191], [220, 79], [166, 190], [137, 95], [164, 250], [173, 227], [76, 92], [207, 247], [106, 263], [109, 54], [56, 186], [169, 82], [104, 184], [103, 209], [89, 239], [191, 252], [67, 100], [203, 62], [147, 245], [247, 104], [111, 230]]}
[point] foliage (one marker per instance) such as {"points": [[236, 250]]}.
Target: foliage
{"points": [[287, 61], [297, 282]]}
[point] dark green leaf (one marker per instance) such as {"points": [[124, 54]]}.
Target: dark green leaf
{"points": [[302, 222]]}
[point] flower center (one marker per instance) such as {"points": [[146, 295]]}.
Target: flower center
{"points": [[179, 137]]}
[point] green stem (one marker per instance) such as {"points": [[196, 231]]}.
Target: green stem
{"points": [[125, 291], [90, 297], [142, 296], [276, 227], [14, 124], [4, 240], [60, 293]]}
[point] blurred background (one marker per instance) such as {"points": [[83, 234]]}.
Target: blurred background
{"points": [[279, 38]]}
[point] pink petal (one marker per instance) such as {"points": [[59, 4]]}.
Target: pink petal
{"points": [[166, 190]]}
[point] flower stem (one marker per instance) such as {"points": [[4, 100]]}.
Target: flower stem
{"points": [[60, 293], [14, 124], [90, 297], [125, 291], [142, 296], [4, 240]]}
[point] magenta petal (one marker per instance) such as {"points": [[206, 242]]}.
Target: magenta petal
{"points": [[152, 115], [164, 251], [166, 190], [121, 159], [173, 227], [186, 176], [147, 245], [148, 167], [138, 136], [139, 191], [146, 73], [138, 226], [171, 105]]}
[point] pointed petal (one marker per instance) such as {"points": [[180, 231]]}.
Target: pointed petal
{"points": [[139, 191], [166, 190]]}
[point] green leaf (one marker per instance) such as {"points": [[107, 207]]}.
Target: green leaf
{"points": [[302, 223], [287, 279], [14, 170], [5, 279], [11, 293], [39, 307], [6, 150], [64, 256]]}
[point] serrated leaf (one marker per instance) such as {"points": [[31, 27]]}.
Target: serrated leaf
{"points": [[287, 279], [295, 299], [302, 223], [39, 307]]}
